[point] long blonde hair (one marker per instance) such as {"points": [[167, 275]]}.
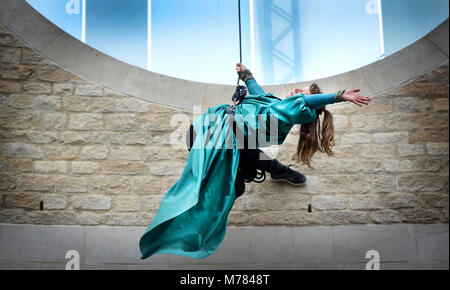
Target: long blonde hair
{"points": [[314, 136]]}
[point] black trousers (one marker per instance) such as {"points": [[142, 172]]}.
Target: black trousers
{"points": [[253, 163]]}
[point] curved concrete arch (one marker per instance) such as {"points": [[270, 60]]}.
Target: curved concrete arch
{"points": [[73, 55]]}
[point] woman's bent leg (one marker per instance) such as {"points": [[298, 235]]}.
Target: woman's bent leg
{"points": [[278, 171]]}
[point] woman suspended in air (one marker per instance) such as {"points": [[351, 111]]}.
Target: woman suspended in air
{"points": [[224, 153]]}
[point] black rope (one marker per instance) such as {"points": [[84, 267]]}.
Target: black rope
{"points": [[240, 34], [241, 91]]}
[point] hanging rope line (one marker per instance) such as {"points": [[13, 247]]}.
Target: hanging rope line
{"points": [[241, 91], [240, 33], [248, 158]]}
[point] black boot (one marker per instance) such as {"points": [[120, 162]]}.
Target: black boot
{"points": [[279, 172]]}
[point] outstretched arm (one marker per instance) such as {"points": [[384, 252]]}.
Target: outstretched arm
{"points": [[319, 100], [247, 77]]}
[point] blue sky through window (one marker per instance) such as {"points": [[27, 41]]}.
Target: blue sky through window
{"points": [[118, 28], [283, 40], [405, 21], [67, 18], [198, 39]]}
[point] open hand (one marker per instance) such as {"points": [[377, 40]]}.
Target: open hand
{"points": [[240, 67], [354, 97]]}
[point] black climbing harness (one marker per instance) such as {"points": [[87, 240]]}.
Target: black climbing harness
{"points": [[239, 94]]}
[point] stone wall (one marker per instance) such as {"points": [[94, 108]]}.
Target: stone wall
{"points": [[75, 153]]}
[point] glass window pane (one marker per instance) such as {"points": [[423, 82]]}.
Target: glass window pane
{"points": [[309, 39], [198, 39], [283, 41], [118, 28], [66, 14], [406, 21]]}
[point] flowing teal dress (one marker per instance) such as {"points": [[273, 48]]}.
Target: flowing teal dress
{"points": [[192, 217]]}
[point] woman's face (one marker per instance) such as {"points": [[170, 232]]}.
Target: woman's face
{"points": [[296, 91], [305, 91]]}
